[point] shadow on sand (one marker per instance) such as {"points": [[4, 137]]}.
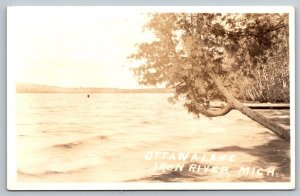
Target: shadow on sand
{"points": [[278, 116], [274, 153]]}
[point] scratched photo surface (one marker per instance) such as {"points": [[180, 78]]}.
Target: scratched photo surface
{"points": [[116, 96]]}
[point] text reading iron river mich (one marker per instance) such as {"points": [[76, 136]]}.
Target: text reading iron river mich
{"points": [[219, 164]]}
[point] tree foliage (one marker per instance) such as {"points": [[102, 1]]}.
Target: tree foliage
{"points": [[247, 52]]}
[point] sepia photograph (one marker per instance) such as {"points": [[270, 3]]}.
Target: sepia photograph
{"points": [[150, 98]]}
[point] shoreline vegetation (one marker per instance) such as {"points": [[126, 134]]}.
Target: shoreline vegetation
{"points": [[37, 88]]}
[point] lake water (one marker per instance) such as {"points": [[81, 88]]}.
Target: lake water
{"points": [[104, 138]]}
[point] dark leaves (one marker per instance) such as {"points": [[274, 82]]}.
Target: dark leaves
{"points": [[242, 48]]}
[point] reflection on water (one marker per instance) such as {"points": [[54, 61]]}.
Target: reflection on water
{"points": [[69, 137]]}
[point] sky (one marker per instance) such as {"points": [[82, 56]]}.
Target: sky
{"points": [[74, 46]]}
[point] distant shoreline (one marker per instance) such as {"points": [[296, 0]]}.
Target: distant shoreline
{"points": [[36, 88], [40, 89], [138, 92]]}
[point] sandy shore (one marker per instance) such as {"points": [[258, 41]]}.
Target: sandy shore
{"points": [[257, 155]]}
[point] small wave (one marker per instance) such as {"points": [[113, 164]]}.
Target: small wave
{"points": [[50, 172], [45, 123], [102, 137], [55, 132], [78, 143], [68, 145]]}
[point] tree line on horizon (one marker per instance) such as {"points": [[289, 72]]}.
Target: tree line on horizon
{"points": [[36, 88]]}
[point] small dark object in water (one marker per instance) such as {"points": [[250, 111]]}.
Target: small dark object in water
{"points": [[88, 96]]}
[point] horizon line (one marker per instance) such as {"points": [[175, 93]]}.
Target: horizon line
{"points": [[86, 87]]}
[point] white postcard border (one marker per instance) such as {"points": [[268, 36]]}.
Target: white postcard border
{"points": [[12, 183]]}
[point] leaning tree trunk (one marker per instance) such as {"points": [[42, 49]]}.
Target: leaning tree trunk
{"points": [[277, 129]]}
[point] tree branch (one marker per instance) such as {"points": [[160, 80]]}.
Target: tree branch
{"points": [[275, 28], [242, 33], [275, 128], [216, 113], [212, 113]]}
